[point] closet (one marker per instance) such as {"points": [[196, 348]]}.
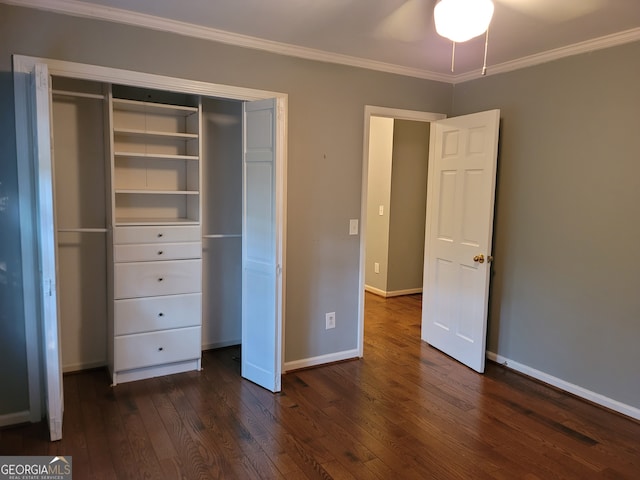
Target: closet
{"points": [[102, 194], [148, 214]]}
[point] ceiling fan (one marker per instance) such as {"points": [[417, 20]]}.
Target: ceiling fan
{"points": [[410, 21]]}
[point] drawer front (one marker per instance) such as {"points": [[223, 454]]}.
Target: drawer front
{"points": [[154, 252], [151, 279], [138, 315], [159, 234], [156, 348]]}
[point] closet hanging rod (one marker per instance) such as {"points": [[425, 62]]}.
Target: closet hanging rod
{"points": [[82, 230], [68, 93], [224, 235]]}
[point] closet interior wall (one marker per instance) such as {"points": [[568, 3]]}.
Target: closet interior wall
{"points": [[78, 111], [80, 133], [222, 223]]}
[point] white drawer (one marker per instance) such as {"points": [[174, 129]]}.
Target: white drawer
{"points": [[138, 315], [159, 234], [156, 348], [151, 279], [155, 252]]}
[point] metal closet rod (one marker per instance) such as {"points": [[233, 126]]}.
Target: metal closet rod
{"points": [[68, 93], [82, 230], [223, 235]]}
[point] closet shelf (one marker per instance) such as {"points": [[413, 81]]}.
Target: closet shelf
{"points": [[157, 192], [144, 221], [148, 107], [161, 156], [153, 133]]}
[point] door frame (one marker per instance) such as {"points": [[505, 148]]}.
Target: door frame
{"points": [[396, 114], [27, 177]]}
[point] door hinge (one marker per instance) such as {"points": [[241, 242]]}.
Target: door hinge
{"points": [[47, 287], [278, 269]]}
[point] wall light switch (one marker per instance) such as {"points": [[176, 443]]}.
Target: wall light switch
{"points": [[353, 226], [381, 210], [376, 267]]}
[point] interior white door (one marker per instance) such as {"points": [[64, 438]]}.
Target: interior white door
{"points": [[261, 267], [41, 115], [460, 203]]}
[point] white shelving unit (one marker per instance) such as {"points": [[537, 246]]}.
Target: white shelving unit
{"points": [[156, 321], [156, 163]]}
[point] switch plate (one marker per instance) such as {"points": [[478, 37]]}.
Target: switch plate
{"points": [[330, 319], [376, 267], [353, 226], [381, 210]]}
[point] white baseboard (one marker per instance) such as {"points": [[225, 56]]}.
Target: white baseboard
{"points": [[15, 418], [321, 360], [392, 293], [594, 397], [375, 291]]}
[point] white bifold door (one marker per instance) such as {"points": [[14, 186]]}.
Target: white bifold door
{"points": [[261, 248], [460, 204], [41, 124]]}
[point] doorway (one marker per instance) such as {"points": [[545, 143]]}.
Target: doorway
{"points": [[388, 114]]}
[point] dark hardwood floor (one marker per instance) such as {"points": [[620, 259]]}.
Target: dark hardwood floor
{"points": [[405, 411]]}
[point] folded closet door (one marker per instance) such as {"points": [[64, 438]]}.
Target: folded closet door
{"points": [[261, 279], [41, 118]]}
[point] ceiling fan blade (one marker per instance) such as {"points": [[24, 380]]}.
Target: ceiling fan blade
{"points": [[408, 23], [554, 10]]}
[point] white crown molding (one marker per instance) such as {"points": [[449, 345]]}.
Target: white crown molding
{"points": [[600, 43], [81, 9]]}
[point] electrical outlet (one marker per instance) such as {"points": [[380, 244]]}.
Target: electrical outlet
{"points": [[330, 319]]}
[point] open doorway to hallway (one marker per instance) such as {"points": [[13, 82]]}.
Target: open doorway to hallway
{"points": [[395, 164]]}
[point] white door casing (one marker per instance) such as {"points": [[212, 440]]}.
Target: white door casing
{"points": [[47, 251], [261, 267], [458, 237]]}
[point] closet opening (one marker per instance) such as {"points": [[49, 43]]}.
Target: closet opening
{"points": [[82, 137], [143, 200]]}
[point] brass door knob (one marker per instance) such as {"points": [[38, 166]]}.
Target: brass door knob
{"points": [[479, 258]]}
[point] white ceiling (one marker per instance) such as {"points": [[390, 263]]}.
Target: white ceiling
{"points": [[393, 35]]}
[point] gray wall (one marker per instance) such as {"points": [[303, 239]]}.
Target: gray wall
{"points": [[566, 284], [378, 195], [398, 159], [408, 205], [222, 195], [326, 117]]}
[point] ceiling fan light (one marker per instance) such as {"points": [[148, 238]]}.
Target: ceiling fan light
{"points": [[462, 20]]}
